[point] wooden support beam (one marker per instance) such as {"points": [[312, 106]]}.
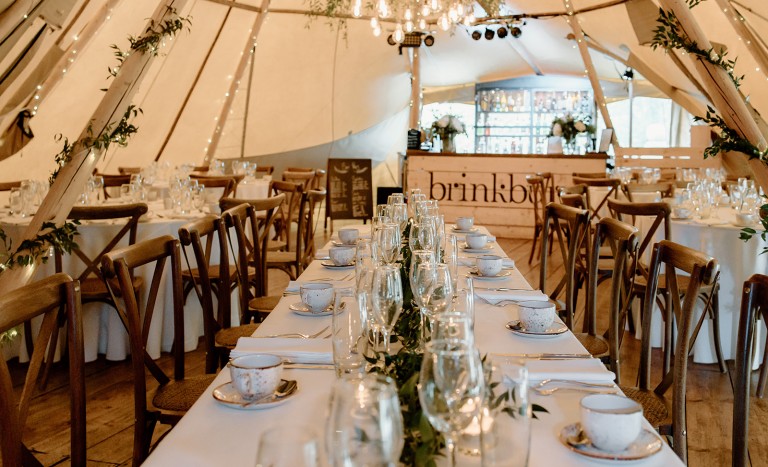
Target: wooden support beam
{"points": [[527, 57], [594, 80], [724, 95], [249, 51], [414, 121], [672, 54], [745, 34], [73, 176]]}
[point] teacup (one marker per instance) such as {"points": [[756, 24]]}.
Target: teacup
{"points": [[465, 223], [745, 219], [681, 212], [342, 255], [489, 265], [611, 422], [316, 297], [536, 316], [476, 241], [256, 375], [349, 236]]}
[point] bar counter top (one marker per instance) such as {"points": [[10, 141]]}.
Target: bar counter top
{"points": [[589, 155]]}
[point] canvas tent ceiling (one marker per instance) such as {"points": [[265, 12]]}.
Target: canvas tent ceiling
{"points": [[316, 92]]}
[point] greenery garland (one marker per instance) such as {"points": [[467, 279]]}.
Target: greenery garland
{"points": [[423, 444], [670, 35]]}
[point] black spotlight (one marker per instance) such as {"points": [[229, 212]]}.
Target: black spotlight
{"points": [[489, 34], [429, 41], [516, 32], [476, 35], [391, 40], [501, 32]]}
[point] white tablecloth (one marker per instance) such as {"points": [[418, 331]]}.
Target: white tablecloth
{"points": [[253, 189], [211, 434], [104, 333]]}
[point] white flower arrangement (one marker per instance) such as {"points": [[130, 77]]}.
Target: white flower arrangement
{"points": [[448, 126]]}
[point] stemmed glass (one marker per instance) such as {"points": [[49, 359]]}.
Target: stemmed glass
{"points": [[363, 263], [98, 186], [388, 243], [451, 387], [435, 292], [288, 446], [387, 299], [422, 236], [399, 214], [365, 426]]}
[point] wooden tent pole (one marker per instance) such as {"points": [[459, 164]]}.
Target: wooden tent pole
{"points": [[581, 42], [72, 177], [248, 50], [747, 36], [415, 115], [722, 91]]}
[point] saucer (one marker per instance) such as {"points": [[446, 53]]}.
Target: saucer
{"points": [[331, 265], [498, 277], [680, 218], [484, 249], [646, 445], [337, 243], [301, 309], [555, 329], [456, 229], [227, 395]]}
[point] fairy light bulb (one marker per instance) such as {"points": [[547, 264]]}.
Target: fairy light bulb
{"points": [[444, 23], [408, 15], [409, 26], [452, 14], [383, 8], [398, 35], [422, 24], [357, 9]]}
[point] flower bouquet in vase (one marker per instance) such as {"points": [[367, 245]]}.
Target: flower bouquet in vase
{"points": [[447, 127], [570, 126]]}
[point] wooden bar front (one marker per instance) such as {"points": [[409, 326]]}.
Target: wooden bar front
{"points": [[492, 187]]}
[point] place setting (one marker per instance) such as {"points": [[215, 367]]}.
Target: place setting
{"points": [[465, 225], [489, 268], [477, 243], [316, 300], [256, 383], [340, 257]]}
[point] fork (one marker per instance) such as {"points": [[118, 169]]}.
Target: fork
{"points": [[568, 381], [500, 302], [300, 335], [550, 391]]}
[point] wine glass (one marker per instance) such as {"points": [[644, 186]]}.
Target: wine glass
{"points": [[399, 214], [363, 262], [288, 446], [440, 294], [396, 198], [451, 387], [388, 243], [453, 325], [422, 236], [98, 186], [387, 299], [451, 256], [365, 426]]}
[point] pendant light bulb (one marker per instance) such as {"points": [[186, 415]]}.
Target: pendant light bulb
{"points": [[377, 31], [383, 8], [374, 22], [409, 26], [444, 22], [435, 5], [425, 10], [357, 10], [460, 9], [422, 24], [399, 35], [408, 14], [453, 15]]}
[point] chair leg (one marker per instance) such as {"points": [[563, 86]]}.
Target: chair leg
{"points": [[763, 374], [714, 309], [536, 234]]}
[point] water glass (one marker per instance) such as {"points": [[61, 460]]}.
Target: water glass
{"points": [[349, 339], [15, 202], [365, 424], [396, 198], [453, 325], [439, 295], [288, 446], [28, 190]]}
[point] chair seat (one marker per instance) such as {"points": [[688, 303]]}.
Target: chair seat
{"points": [[178, 396], [264, 304], [228, 337], [281, 257], [276, 245], [656, 409], [213, 272], [93, 288], [597, 346]]}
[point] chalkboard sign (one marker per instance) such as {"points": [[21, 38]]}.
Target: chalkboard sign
{"points": [[350, 192]]}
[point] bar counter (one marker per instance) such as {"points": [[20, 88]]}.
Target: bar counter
{"points": [[492, 187]]}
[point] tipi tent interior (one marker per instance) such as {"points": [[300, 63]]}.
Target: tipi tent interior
{"points": [[283, 84]]}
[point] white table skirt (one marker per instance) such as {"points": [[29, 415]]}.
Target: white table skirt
{"points": [[253, 189], [211, 434]]}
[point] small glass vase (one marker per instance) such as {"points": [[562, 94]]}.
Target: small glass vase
{"points": [[448, 144]]}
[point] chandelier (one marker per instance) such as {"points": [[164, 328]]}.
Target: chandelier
{"points": [[417, 15]]}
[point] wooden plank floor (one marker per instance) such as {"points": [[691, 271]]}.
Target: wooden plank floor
{"points": [[110, 417]]}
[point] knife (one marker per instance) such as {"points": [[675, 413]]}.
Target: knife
{"points": [[502, 289], [545, 356], [308, 366]]}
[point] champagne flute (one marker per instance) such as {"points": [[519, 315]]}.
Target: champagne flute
{"points": [[399, 214], [422, 236], [388, 243], [440, 294], [451, 388], [419, 257], [365, 426], [387, 298]]}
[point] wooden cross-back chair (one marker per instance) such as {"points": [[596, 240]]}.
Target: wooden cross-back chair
{"points": [[265, 169], [304, 178], [574, 190], [294, 262], [754, 305], [571, 233], [538, 196], [55, 299], [612, 184], [176, 393], [220, 336], [228, 184], [287, 214], [113, 181], [621, 238], [665, 190], [664, 414], [128, 170], [549, 185], [709, 293]]}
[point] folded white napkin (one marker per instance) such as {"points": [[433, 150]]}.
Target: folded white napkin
{"points": [[462, 237], [311, 351], [494, 296], [293, 286], [322, 254], [472, 262], [572, 369]]}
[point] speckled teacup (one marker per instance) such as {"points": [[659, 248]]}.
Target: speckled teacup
{"points": [[342, 255], [489, 265], [612, 422], [317, 297], [465, 223], [476, 241], [256, 375], [536, 316], [349, 236]]}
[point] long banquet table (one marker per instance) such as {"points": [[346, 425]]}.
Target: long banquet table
{"points": [[211, 434]]}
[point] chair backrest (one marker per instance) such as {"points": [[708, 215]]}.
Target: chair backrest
{"points": [[596, 205], [201, 236], [622, 239], [228, 184], [112, 181], [304, 177], [702, 270], [549, 185], [129, 170], [314, 197], [571, 231], [665, 190], [579, 190], [116, 265], [288, 210], [538, 197], [51, 298], [130, 212], [6, 186], [588, 175], [265, 169], [201, 168], [754, 305], [628, 212]]}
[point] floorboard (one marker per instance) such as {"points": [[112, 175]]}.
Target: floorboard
{"points": [[109, 392]]}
